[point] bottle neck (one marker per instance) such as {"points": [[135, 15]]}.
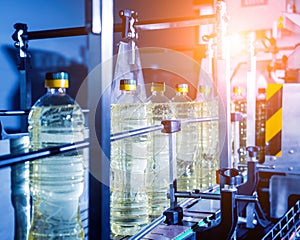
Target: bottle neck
{"points": [[56, 91], [181, 93], [127, 92], [155, 93]]}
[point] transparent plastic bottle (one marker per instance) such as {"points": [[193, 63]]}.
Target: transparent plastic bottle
{"points": [[239, 104], [187, 140], [56, 182], [207, 106], [129, 159], [159, 108]]}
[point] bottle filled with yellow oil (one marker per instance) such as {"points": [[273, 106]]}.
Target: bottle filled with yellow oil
{"points": [[159, 108], [187, 140], [129, 160], [56, 182], [207, 156]]}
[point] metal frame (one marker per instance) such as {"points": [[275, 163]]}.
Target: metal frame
{"points": [[98, 85]]}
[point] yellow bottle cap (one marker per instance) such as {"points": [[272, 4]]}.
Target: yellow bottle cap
{"points": [[57, 80], [238, 90], [182, 88], [158, 87], [128, 84], [204, 89]]}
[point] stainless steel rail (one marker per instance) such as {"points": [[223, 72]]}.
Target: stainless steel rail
{"points": [[171, 23], [139, 131], [213, 196], [8, 160], [135, 132]]}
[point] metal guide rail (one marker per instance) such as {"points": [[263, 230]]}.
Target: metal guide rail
{"points": [[8, 160], [135, 132]]}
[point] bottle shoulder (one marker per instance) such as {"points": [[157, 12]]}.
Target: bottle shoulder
{"points": [[128, 98], [181, 98], [54, 100], [158, 99], [50, 104]]}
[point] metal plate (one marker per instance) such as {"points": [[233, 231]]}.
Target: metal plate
{"points": [[205, 206], [166, 232]]}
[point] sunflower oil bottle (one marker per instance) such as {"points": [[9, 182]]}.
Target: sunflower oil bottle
{"points": [[129, 161], [207, 106], [57, 181], [187, 140], [159, 108]]}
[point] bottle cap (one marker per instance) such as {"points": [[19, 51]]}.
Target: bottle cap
{"points": [[238, 90], [57, 80], [158, 87], [128, 84], [204, 89], [261, 90], [182, 88]]}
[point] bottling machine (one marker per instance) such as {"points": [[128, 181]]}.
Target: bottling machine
{"points": [[253, 198]]}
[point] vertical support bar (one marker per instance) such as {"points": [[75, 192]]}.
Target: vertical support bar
{"points": [[172, 169], [25, 83], [236, 143], [25, 95], [222, 79], [251, 92], [98, 86], [223, 83]]}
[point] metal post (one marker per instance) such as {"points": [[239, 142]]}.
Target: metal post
{"points": [[98, 98], [171, 127], [222, 76], [172, 169], [251, 92], [21, 42], [223, 83]]}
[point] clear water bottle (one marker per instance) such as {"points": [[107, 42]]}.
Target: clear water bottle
{"points": [[57, 181], [129, 159], [207, 106], [187, 140], [159, 108]]}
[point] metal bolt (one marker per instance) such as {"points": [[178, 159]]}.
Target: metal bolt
{"points": [[291, 151], [273, 158]]}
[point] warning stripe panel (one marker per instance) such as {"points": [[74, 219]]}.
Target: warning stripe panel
{"points": [[274, 102], [274, 146], [274, 125], [274, 119], [272, 90]]}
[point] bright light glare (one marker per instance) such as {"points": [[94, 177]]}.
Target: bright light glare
{"points": [[237, 44]]}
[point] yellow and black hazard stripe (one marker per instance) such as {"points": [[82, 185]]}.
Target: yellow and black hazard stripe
{"points": [[274, 120]]}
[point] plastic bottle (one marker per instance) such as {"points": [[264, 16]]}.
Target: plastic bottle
{"points": [[239, 104], [129, 159], [159, 109], [207, 106], [261, 117], [57, 181], [187, 140]]}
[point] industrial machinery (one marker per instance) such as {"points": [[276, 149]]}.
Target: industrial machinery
{"points": [[257, 193]]}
